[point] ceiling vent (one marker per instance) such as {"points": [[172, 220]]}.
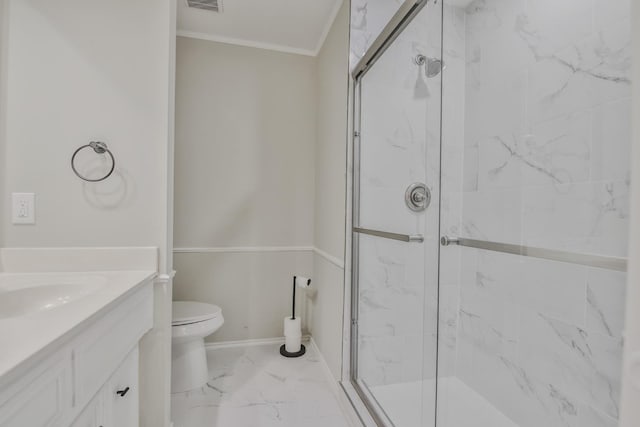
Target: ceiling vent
{"points": [[211, 5]]}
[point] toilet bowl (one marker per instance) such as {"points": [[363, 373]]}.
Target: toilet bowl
{"points": [[191, 323]]}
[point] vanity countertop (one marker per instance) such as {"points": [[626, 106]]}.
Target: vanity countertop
{"points": [[25, 337]]}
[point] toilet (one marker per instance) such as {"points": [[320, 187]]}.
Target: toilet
{"points": [[191, 323]]}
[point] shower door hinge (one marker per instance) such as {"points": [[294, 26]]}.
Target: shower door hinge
{"points": [[356, 134]]}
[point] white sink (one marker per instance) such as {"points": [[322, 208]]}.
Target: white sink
{"points": [[21, 295]]}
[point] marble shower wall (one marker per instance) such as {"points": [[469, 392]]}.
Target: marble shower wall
{"points": [[547, 137], [368, 18], [535, 141]]}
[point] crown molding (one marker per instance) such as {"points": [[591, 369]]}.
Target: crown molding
{"points": [[270, 46], [245, 43]]}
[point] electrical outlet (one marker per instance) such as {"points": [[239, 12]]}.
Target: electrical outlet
{"points": [[23, 208]]}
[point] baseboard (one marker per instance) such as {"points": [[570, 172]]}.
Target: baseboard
{"points": [[248, 343], [344, 401]]}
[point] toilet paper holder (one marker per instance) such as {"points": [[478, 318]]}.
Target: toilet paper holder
{"points": [[293, 346]]}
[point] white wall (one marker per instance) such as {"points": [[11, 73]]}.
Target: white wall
{"points": [[83, 70], [245, 137], [325, 309], [80, 71], [245, 134], [252, 288], [260, 161]]}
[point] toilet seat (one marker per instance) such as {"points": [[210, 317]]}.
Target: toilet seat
{"points": [[191, 323], [190, 312]]}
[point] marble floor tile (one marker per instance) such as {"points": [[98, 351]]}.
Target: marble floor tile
{"points": [[255, 386]]}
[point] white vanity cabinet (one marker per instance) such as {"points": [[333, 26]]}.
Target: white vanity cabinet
{"points": [[90, 380], [116, 404], [93, 414], [43, 397], [121, 395]]}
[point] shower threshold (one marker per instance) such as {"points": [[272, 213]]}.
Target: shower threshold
{"points": [[458, 405]]}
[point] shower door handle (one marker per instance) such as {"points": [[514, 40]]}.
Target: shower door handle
{"points": [[387, 235]]}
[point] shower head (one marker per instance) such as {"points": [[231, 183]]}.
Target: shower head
{"points": [[433, 66]]}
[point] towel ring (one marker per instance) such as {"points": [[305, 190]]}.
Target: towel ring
{"points": [[100, 148]]}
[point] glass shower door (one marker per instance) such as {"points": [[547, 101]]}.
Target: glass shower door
{"points": [[517, 320], [535, 189], [396, 226]]}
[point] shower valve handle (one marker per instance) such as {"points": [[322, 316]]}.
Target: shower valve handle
{"points": [[417, 197]]}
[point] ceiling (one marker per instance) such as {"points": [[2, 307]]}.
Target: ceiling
{"points": [[458, 3], [294, 26]]}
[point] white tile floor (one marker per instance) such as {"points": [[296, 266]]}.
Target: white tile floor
{"points": [[256, 387]]}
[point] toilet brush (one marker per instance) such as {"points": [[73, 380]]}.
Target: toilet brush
{"points": [[293, 346]]}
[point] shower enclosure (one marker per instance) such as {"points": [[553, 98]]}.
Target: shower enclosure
{"points": [[490, 211]]}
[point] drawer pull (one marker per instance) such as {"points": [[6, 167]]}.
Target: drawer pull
{"points": [[121, 393]]}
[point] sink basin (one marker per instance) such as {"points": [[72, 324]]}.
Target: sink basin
{"points": [[25, 296]]}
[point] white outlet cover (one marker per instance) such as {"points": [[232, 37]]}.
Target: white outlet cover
{"points": [[23, 208]]}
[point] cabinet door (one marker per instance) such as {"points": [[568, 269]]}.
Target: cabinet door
{"points": [[42, 400], [101, 349], [93, 413], [122, 394]]}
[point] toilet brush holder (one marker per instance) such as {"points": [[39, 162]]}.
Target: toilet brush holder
{"points": [[293, 346]]}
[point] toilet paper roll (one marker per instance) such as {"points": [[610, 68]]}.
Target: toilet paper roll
{"points": [[292, 344], [292, 327], [303, 282]]}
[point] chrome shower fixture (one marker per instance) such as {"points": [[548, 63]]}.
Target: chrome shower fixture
{"points": [[433, 66]]}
